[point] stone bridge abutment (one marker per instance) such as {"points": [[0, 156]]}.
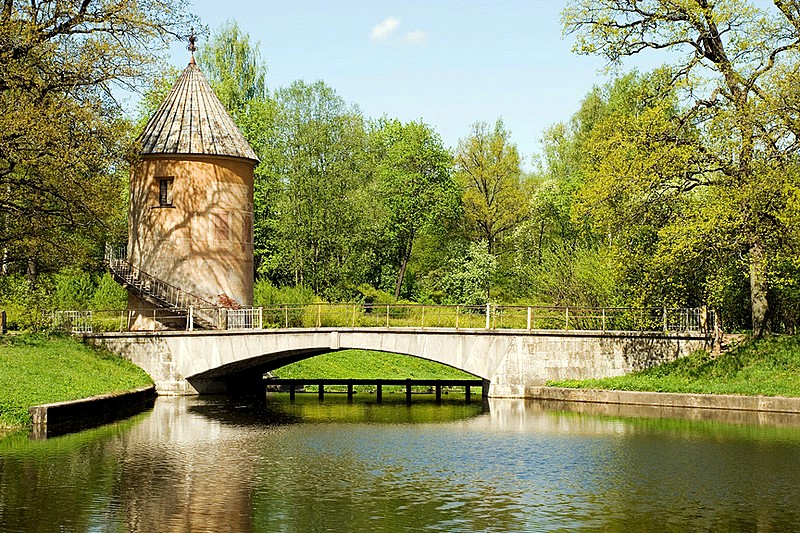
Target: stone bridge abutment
{"points": [[514, 361]]}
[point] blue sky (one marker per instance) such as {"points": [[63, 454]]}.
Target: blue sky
{"points": [[447, 63]]}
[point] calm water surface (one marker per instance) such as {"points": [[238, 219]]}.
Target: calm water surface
{"points": [[196, 464]]}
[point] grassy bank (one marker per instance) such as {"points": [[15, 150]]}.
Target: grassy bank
{"points": [[363, 364], [766, 367], [38, 369]]}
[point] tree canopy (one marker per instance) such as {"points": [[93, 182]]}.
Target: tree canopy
{"points": [[62, 136], [730, 63]]}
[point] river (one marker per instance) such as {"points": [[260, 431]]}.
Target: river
{"points": [[217, 464]]}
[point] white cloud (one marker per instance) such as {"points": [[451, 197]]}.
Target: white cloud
{"points": [[384, 29], [415, 37]]}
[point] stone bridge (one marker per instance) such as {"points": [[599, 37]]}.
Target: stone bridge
{"points": [[514, 361]]}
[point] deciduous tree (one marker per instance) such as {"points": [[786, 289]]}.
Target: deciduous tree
{"points": [[729, 57], [488, 167], [62, 137], [416, 185]]}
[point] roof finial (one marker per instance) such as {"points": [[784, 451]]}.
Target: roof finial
{"points": [[192, 46]]}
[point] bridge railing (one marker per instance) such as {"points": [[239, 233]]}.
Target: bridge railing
{"points": [[115, 320], [361, 315], [489, 317]]}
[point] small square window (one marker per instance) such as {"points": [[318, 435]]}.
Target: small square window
{"points": [[165, 192]]}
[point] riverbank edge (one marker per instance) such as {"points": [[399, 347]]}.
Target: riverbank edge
{"points": [[52, 419], [729, 402]]}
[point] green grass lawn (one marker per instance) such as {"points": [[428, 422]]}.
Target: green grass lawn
{"points": [[364, 364], [38, 369], [765, 367]]}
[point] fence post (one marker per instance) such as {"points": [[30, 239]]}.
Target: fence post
{"points": [[488, 315], [319, 315], [354, 316], [260, 318], [664, 314], [387, 315], [566, 319], [458, 309], [286, 312], [423, 316], [604, 320], [190, 321], [529, 318]]}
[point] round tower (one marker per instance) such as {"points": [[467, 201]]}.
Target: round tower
{"points": [[191, 200]]}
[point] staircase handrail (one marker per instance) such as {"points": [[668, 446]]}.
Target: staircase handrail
{"points": [[163, 291]]}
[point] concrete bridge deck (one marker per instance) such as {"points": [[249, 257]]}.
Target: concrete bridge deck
{"points": [[513, 361]]}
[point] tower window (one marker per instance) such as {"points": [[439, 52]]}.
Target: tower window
{"points": [[222, 227], [165, 192]]}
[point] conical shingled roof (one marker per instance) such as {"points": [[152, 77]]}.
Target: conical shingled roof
{"points": [[192, 120]]}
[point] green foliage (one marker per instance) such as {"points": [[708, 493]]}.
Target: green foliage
{"points": [[63, 138], [234, 68], [466, 278], [417, 190], [731, 131], [322, 204], [762, 367], [36, 369], [488, 168], [108, 294]]}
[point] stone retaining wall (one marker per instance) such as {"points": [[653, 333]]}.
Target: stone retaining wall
{"points": [[775, 404], [64, 417]]}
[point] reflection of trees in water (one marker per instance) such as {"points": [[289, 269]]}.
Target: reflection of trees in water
{"points": [[38, 479]]}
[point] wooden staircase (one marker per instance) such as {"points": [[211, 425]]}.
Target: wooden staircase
{"points": [[163, 295]]}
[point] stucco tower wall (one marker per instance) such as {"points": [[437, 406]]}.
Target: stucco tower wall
{"points": [[203, 241]]}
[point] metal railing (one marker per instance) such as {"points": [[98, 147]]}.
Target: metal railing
{"points": [[360, 315], [167, 295], [656, 319], [245, 318], [72, 321]]}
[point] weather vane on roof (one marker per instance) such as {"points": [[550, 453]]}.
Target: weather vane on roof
{"points": [[192, 40]]}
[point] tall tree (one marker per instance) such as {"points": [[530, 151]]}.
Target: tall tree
{"points": [[62, 137], [488, 168], [319, 160], [234, 68], [417, 188], [728, 54]]}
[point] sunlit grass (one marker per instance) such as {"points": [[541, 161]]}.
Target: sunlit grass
{"points": [[365, 364], [766, 367], [39, 369]]}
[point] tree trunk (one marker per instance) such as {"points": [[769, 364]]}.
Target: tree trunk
{"points": [[758, 289], [32, 271], [402, 274]]}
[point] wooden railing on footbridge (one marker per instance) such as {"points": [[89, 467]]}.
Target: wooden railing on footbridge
{"points": [[699, 321]]}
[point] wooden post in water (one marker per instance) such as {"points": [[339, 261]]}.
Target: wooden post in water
{"points": [[379, 392], [408, 390], [291, 392], [438, 393], [350, 391], [467, 393], [321, 391]]}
